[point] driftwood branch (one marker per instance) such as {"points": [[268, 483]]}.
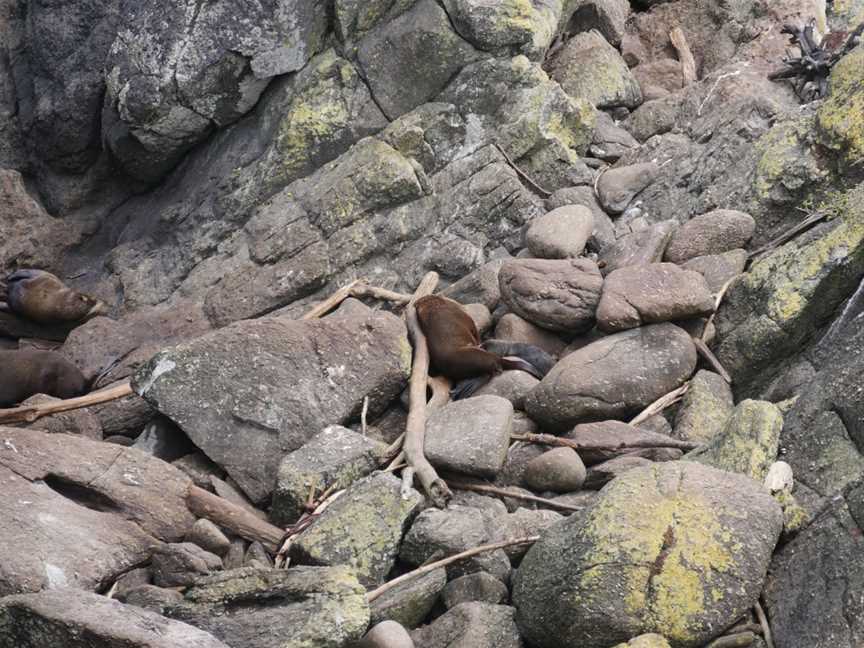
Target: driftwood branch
{"points": [[357, 288], [425, 569], [685, 56], [661, 404], [788, 235], [551, 440], [415, 428], [503, 492], [235, 518], [30, 413]]}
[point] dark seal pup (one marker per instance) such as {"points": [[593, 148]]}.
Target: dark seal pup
{"points": [[454, 346], [41, 297], [31, 371]]}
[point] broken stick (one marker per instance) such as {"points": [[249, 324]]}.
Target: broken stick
{"points": [[235, 518], [30, 413], [503, 492], [552, 440], [685, 56], [357, 288], [425, 569], [661, 404]]}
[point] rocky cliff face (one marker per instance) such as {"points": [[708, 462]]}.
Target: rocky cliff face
{"points": [[200, 164]]}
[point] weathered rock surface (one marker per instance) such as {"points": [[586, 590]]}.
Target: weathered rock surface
{"points": [[387, 634], [511, 385], [362, 529], [657, 292], [618, 186], [410, 602], [705, 408], [613, 377], [602, 473], [453, 530], [335, 457], [748, 442], [718, 268], [302, 606], [560, 470], [604, 231], [470, 436], [73, 618], [560, 295], [179, 563], [481, 587], [258, 383], [611, 434], [516, 329], [637, 248], [716, 232], [679, 527], [474, 625], [208, 536], [589, 67], [560, 234]]}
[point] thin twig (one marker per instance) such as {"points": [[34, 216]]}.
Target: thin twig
{"points": [[363, 415], [766, 627], [540, 190], [685, 56], [322, 308], [365, 290], [661, 404], [30, 413], [425, 569], [551, 440], [718, 299], [494, 490], [711, 359], [788, 235]]}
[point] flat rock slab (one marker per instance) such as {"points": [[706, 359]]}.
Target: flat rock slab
{"points": [[299, 607], [101, 476], [75, 619], [252, 391], [335, 457], [471, 625], [613, 377], [362, 529], [470, 436], [678, 548], [657, 292], [716, 232], [556, 294]]}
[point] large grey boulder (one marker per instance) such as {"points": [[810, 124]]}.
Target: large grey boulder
{"points": [[411, 601], [656, 292], [424, 35], [281, 608], [717, 231], [76, 619], [254, 390], [362, 529], [471, 625], [589, 67], [613, 377], [510, 26], [333, 458], [557, 294], [659, 551], [176, 70], [470, 436]]}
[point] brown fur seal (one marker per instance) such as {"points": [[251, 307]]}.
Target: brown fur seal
{"points": [[41, 297], [31, 371], [454, 344]]}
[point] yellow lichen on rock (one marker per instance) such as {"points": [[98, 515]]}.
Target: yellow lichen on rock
{"points": [[841, 118]]}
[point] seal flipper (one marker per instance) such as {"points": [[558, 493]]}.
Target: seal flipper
{"points": [[23, 275], [465, 388], [512, 362]]}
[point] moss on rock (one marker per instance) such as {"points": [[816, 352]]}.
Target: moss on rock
{"points": [[841, 118]]}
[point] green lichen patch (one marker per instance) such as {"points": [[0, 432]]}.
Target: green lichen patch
{"points": [[787, 165], [841, 118]]}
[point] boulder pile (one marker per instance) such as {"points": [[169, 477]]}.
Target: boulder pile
{"points": [[258, 192]]}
